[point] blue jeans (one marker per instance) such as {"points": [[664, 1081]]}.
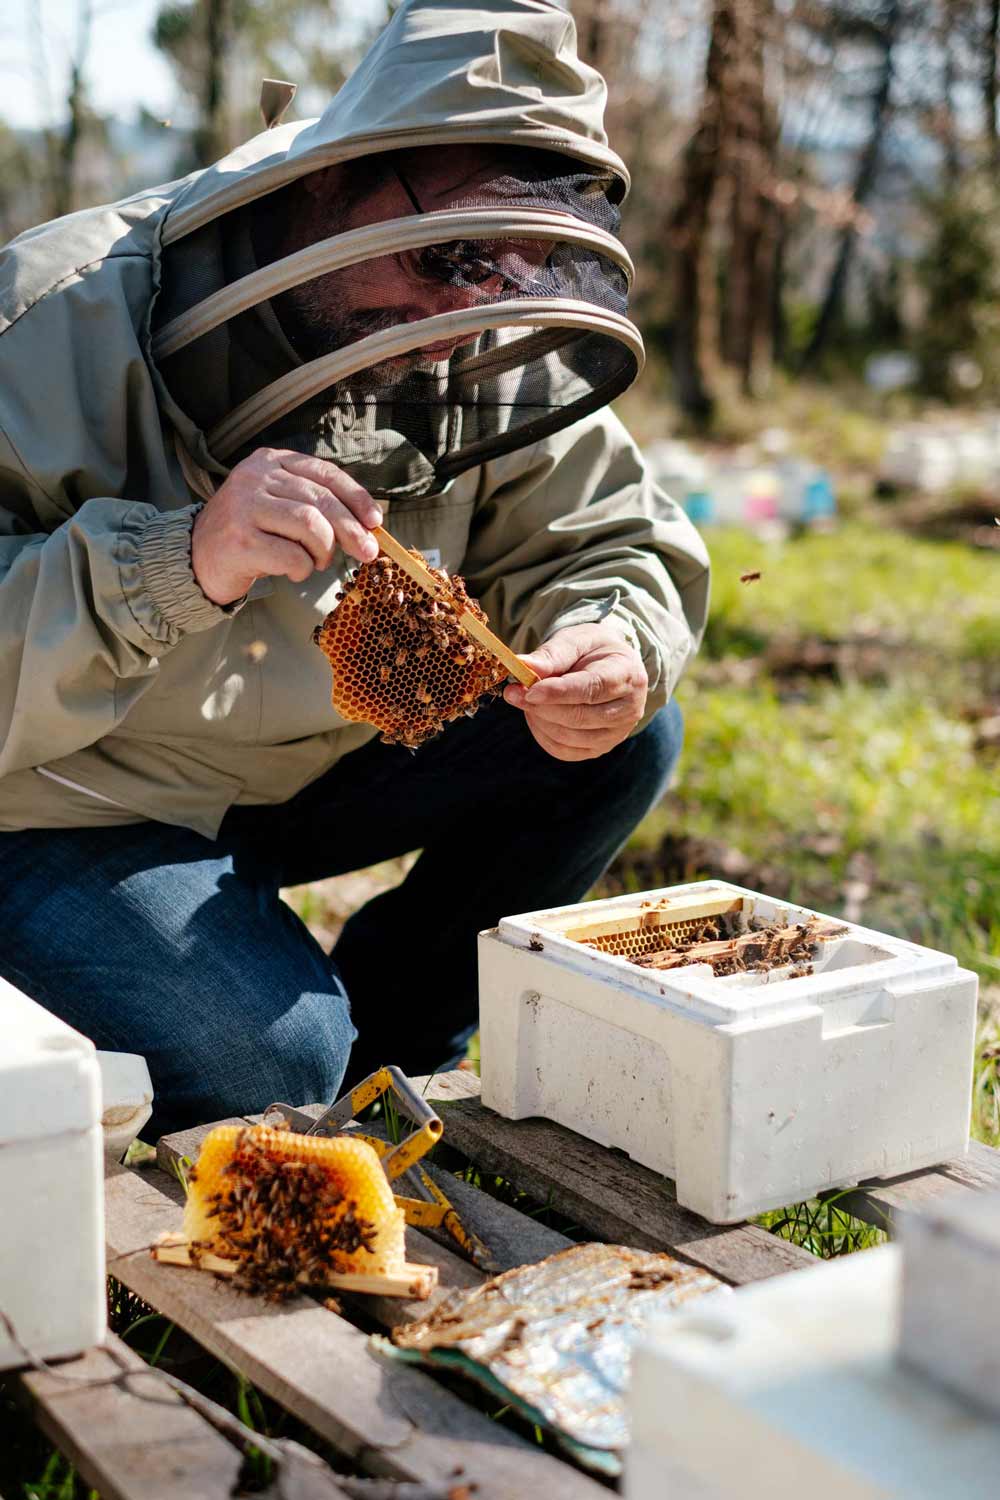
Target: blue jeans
{"points": [[150, 938]]}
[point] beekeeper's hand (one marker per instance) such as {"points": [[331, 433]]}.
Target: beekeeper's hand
{"points": [[591, 695], [279, 513]]}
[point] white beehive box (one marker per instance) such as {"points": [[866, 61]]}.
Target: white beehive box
{"points": [[51, 1184], [751, 1091], [795, 1385], [951, 1282]]}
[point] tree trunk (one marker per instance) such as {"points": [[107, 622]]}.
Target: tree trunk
{"points": [[65, 149], [695, 304], [210, 141], [991, 84], [864, 181], [949, 123], [749, 159]]}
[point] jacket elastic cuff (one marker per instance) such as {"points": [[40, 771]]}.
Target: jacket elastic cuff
{"points": [[157, 579]]}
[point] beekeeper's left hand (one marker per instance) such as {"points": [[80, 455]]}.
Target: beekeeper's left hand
{"points": [[591, 695]]}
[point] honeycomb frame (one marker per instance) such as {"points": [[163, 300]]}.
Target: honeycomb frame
{"points": [[400, 657], [287, 1207]]}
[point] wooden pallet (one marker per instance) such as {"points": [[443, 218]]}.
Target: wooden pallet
{"points": [[389, 1419]]}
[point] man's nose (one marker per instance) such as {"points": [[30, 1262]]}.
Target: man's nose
{"points": [[455, 298]]}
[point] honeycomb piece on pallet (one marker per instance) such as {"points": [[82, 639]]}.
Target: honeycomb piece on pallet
{"points": [[286, 1206], [400, 658]]}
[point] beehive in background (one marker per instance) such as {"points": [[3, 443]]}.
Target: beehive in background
{"points": [[285, 1206], [400, 658]]}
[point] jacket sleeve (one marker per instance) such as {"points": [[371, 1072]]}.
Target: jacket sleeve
{"points": [[574, 530], [88, 605]]}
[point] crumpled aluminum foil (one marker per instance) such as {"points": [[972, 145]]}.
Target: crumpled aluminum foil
{"points": [[559, 1335]]}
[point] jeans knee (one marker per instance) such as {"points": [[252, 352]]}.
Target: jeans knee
{"points": [[296, 1054]]}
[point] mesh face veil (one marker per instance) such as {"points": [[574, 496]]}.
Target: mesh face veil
{"points": [[433, 309]]}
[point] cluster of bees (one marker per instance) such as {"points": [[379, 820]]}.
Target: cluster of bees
{"points": [[730, 947], [401, 659], [281, 1219]]}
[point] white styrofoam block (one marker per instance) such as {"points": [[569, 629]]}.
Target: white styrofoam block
{"points": [[951, 1282], [752, 1091], [794, 1384], [126, 1100], [51, 1184]]}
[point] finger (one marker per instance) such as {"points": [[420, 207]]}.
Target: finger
{"points": [[559, 751], [578, 739], [589, 717], [594, 685], [341, 485], [348, 532], [300, 522], [561, 652], [270, 556]]}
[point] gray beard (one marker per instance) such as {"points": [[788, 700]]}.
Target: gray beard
{"points": [[314, 311]]}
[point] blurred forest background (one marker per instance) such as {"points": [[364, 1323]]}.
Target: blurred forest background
{"points": [[815, 220], [814, 179]]}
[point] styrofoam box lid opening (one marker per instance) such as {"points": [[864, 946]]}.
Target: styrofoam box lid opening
{"points": [[859, 959], [50, 1082]]}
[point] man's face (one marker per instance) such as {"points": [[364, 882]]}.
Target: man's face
{"points": [[394, 290]]}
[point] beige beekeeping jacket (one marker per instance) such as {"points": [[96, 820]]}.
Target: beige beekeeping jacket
{"points": [[124, 692]]}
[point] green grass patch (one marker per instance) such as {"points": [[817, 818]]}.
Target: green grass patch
{"points": [[860, 580]]}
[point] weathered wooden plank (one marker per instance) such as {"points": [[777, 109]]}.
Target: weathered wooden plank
{"points": [[388, 1418], [606, 1193], [125, 1445], [885, 1202]]}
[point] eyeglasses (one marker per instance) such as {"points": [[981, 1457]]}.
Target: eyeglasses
{"points": [[456, 262]]}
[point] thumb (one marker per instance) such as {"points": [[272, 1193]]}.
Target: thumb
{"points": [[560, 652]]}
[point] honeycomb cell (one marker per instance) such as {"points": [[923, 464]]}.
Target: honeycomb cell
{"points": [[401, 659], [285, 1205], [642, 939]]}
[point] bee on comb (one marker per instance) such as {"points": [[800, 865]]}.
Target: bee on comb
{"points": [[288, 1208], [409, 649]]}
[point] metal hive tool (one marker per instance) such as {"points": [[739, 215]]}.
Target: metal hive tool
{"points": [[409, 649]]}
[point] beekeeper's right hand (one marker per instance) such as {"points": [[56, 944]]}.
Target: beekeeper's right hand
{"points": [[279, 514]]}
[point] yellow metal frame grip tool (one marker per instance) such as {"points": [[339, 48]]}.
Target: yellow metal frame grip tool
{"points": [[431, 1210]]}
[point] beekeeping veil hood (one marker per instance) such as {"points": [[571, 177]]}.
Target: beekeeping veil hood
{"points": [[424, 278]]}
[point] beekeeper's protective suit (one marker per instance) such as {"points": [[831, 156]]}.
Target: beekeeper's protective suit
{"points": [[448, 339]]}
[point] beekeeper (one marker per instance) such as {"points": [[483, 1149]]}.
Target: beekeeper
{"points": [[413, 309]]}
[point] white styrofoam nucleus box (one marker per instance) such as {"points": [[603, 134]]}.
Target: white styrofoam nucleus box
{"points": [[751, 1091], [126, 1100], [795, 1385], [51, 1184], [951, 1282]]}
